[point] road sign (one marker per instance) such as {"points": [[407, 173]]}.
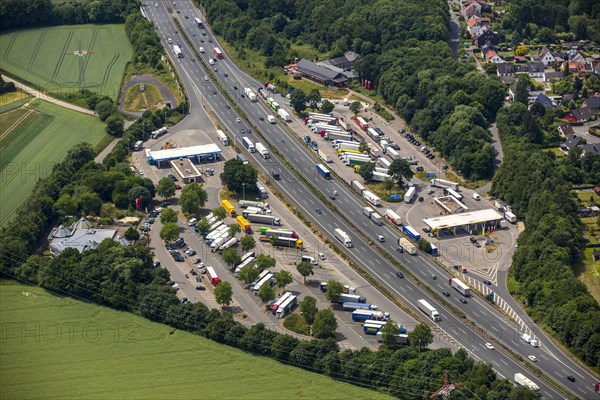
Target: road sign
{"points": [[430, 175], [395, 196]]}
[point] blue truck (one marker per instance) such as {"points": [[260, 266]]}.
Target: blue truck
{"points": [[324, 172], [351, 306], [411, 232]]}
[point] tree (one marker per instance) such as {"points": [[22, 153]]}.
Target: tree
{"points": [[90, 203], [220, 213], [424, 245], [314, 96], [168, 215], [131, 234], [363, 147], [325, 324], [327, 107], [266, 293], [522, 90], [234, 229], [249, 273], [334, 289], [247, 243], [389, 332], [421, 336], [400, 170], [264, 261], [105, 108], [231, 257], [224, 293], [114, 125], [521, 50], [66, 205], [308, 308], [283, 278], [192, 198], [237, 175], [388, 184], [298, 100], [169, 232], [355, 107], [305, 269], [139, 197], [165, 187], [366, 171], [203, 225]]}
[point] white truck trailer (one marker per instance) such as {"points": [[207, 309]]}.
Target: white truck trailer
{"points": [[343, 237], [428, 310], [461, 287], [522, 380], [284, 115], [250, 93], [407, 246], [264, 219], [372, 198], [262, 150]]}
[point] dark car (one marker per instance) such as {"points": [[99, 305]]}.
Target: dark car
{"points": [[421, 199], [156, 264], [419, 169], [332, 196], [487, 282], [184, 300], [235, 88], [225, 74], [445, 293], [261, 118], [197, 261], [426, 230], [463, 300], [399, 274], [198, 278], [193, 272], [318, 211], [571, 378], [200, 287]]}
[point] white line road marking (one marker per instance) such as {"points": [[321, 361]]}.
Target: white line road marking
{"points": [[504, 362]]}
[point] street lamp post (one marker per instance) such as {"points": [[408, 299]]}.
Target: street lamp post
{"points": [[244, 190], [419, 345]]}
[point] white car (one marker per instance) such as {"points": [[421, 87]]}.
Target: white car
{"points": [[170, 40], [381, 238], [321, 256], [206, 78], [192, 222], [238, 120], [175, 286], [532, 358], [489, 346], [201, 49]]}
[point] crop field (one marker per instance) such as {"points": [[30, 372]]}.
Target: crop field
{"points": [[81, 351], [64, 59], [32, 140]]}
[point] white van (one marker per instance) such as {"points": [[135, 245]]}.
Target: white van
{"points": [[192, 222], [476, 196], [310, 260], [211, 61]]}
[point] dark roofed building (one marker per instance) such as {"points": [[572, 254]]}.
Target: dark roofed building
{"points": [[590, 148], [593, 103], [321, 74], [487, 36], [544, 100], [344, 62], [580, 115], [505, 69], [566, 130]]}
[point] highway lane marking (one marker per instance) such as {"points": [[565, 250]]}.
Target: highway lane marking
{"points": [[504, 362]]}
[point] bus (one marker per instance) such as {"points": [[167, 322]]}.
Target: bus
{"points": [[453, 193], [198, 22], [266, 280], [217, 52], [273, 104], [138, 145], [280, 301], [245, 263], [223, 137]]}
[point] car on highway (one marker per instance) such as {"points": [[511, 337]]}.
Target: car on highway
{"points": [[489, 346], [193, 59], [239, 121], [446, 293], [318, 211], [242, 130], [399, 274], [463, 300], [487, 282], [381, 238], [571, 378], [532, 358], [206, 78], [215, 69], [209, 40], [261, 118], [201, 49], [200, 287], [225, 74]]}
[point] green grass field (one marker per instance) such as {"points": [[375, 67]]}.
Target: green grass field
{"points": [[31, 149], [136, 100], [76, 350], [50, 57]]}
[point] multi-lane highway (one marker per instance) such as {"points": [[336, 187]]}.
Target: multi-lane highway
{"points": [[204, 94]]}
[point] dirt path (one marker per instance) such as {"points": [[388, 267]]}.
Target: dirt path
{"points": [[39, 95]]}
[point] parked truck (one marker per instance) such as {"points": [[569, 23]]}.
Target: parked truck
{"points": [[250, 93], [407, 246], [383, 162], [262, 150], [284, 115], [428, 310], [363, 315], [280, 233], [379, 176], [212, 276], [284, 242], [392, 153], [286, 307], [343, 237], [257, 204], [410, 194], [230, 243], [323, 171], [345, 297], [372, 198], [351, 306], [510, 217], [522, 380], [244, 224], [461, 287], [229, 208], [337, 135], [214, 246], [392, 216], [346, 289], [264, 219], [441, 183], [248, 144]]}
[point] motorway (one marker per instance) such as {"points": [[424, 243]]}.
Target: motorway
{"points": [[203, 94]]}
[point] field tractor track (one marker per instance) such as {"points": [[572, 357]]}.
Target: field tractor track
{"points": [[62, 59], [87, 59], [9, 47], [36, 50], [8, 130], [109, 69]]}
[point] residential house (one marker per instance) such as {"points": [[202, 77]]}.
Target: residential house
{"points": [[345, 62], [533, 95], [579, 115], [544, 100], [321, 74], [536, 69], [82, 236], [546, 56], [493, 57], [566, 130], [590, 148], [577, 67], [596, 67], [572, 141], [505, 69], [475, 24], [575, 56], [486, 35], [550, 75], [470, 8], [593, 103], [597, 190]]}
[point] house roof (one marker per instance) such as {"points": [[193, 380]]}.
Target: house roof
{"points": [[544, 100], [536, 66], [582, 113], [566, 129], [543, 51], [490, 55], [318, 71], [554, 75], [505, 68], [592, 102], [591, 148], [572, 141], [82, 239]]}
